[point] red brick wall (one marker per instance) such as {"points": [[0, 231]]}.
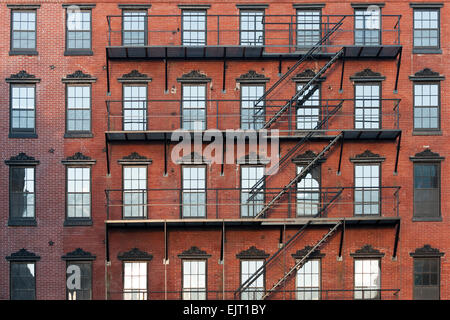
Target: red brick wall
{"points": [[50, 184]]}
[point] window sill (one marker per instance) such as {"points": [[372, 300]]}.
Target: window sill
{"points": [[426, 51], [22, 223], [23, 52], [77, 222], [78, 53], [78, 135], [427, 133], [23, 135], [427, 219]]}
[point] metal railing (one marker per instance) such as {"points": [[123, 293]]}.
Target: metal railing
{"points": [[276, 33], [298, 294], [230, 203], [170, 115]]}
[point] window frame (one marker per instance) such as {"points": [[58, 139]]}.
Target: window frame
{"points": [[146, 293], [187, 259], [137, 9], [307, 9], [439, 106], [380, 39], [78, 133], [77, 262], [78, 219], [193, 9], [247, 165], [360, 258], [187, 165], [263, 116], [22, 221], [363, 164], [146, 113], [77, 51], [438, 167], [11, 278], [319, 191], [263, 274], [319, 293], [319, 90], [144, 205], [439, 271], [252, 10], [427, 49], [380, 108], [21, 133], [23, 8], [182, 100]]}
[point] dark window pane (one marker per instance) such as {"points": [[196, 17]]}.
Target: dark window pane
{"points": [[426, 278], [23, 284], [21, 192], [426, 190], [85, 290]]}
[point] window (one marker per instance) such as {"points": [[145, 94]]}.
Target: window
{"points": [[23, 281], [23, 33], [367, 278], [367, 189], [252, 117], [135, 281], [308, 281], [252, 27], [23, 111], [427, 278], [256, 289], [194, 107], [85, 290], [78, 192], [250, 175], [135, 107], [194, 192], [134, 27], [308, 114], [426, 29], [367, 27], [308, 192], [78, 108], [22, 201], [308, 28], [194, 280], [135, 192], [426, 106], [194, 27], [427, 193], [78, 34], [367, 106]]}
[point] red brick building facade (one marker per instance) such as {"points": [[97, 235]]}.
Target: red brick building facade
{"points": [[357, 91]]}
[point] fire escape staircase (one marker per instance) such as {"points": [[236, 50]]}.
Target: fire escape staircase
{"points": [[246, 285]]}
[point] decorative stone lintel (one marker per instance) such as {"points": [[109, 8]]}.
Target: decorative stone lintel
{"points": [[194, 253], [23, 6], [78, 158], [22, 76], [367, 156], [135, 158], [253, 158], [363, 5], [301, 253], [193, 158], [252, 253], [427, 156], [367, 75], [79, 77], [22, 159], [367, 251], [135, 255], [252, 77], [426, 75], [306, 76], [79, 255], [134, 6], [252, 6], [308, 5], [79, 5], [134, 76], [23, 255], [307, 157], [194, 77], [426, 5], [426, 251], [194, 6]]}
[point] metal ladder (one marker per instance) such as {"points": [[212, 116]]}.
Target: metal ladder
{"points": [[303, 260], [299, 176]]}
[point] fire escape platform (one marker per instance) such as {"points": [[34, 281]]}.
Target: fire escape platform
{"points": [[237, 52], [249, 222]]}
